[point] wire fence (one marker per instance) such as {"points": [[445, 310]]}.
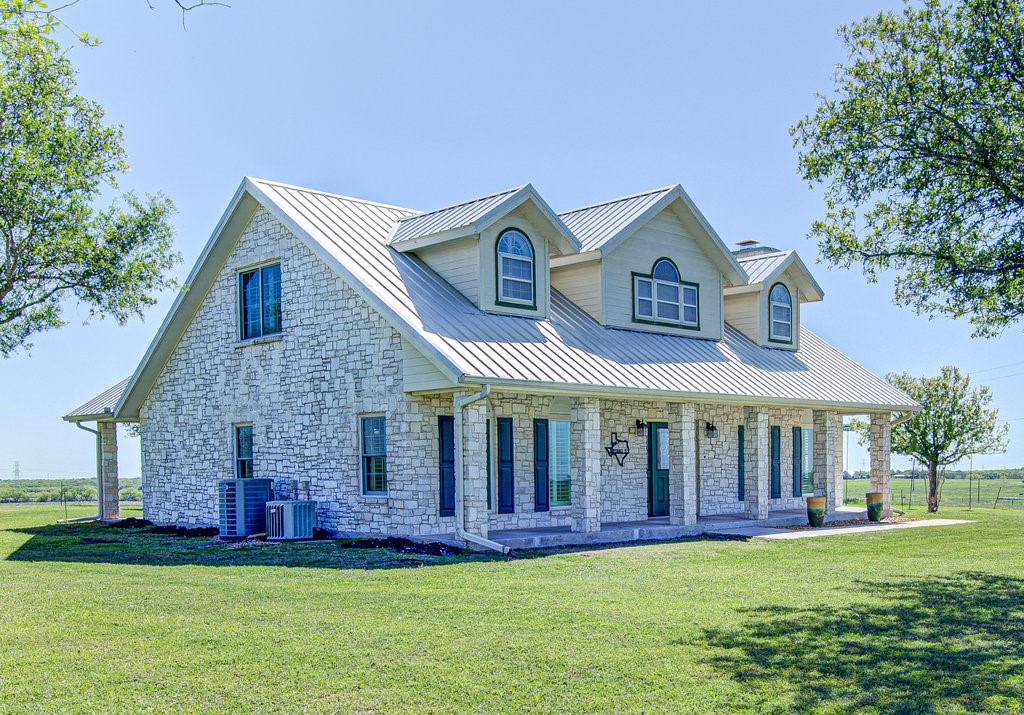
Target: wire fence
{"points": [[980, 493]]}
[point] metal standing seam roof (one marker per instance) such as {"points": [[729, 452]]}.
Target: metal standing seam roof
{"points": [[100, 406], [569, 350], [597, 224], [449, 217], [760, 266]]}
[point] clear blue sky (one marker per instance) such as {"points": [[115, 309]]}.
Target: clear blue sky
{"points": [[422, 104]]}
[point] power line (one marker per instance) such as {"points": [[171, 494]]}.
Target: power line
{"points": [[999, 367]]}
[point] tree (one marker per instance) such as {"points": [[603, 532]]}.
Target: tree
{"points": [[56, 159], [920, 150], [954, 423]]}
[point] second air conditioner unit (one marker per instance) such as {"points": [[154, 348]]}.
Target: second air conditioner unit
{"points": [[287, 520]]}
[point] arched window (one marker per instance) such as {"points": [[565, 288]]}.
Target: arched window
{"points": [[515, 268], [780, 314], [662, 297]]}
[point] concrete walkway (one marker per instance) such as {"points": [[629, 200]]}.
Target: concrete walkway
{"points": [[761, 532]]}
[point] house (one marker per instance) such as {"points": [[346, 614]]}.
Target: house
{"points": [[495, 370]]}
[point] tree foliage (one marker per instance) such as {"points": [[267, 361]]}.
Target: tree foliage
{"points": [[57, 159], [955, 422], [920, 150]]}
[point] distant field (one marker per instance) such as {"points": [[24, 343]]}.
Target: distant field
{"points": [[80, 489], [954, 492]]}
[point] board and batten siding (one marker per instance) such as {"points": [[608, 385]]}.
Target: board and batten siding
{"points": [[662, 237], [580, 283], [458, 262], [742, 312]]}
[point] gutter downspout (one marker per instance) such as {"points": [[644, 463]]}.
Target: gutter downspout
{"points": [[99, 477], [460, 484]]}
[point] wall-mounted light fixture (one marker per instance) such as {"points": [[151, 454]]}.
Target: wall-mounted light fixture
{"points": [[618, 449], [710, 430], [641, 427]]}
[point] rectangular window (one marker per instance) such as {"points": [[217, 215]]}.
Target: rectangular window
{"points": [[373, 449], [259, 296], [808, 460], [782, 322], [665, 301], [559, 481], [644, 289], [243, 451]]}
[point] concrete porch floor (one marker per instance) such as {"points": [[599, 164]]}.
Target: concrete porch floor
{"points": [[656, 528]]}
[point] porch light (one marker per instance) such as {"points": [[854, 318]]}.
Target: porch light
{"points": [[641, 427], [710, 430]]}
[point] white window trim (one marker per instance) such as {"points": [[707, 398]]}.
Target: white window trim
{"points": [[240, 307], [551, 464], [234, 447], [362, 457]]}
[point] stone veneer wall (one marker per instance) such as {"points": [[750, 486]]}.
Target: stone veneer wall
{"points": [[337, 359]]}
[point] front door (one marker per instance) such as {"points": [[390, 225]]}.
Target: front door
{"points": [[657, 469]]}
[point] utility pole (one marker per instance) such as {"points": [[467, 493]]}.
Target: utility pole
{"points": [[17, 469]]}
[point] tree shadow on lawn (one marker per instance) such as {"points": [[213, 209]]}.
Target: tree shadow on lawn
{"points": [[940, 644], [94, 543]]}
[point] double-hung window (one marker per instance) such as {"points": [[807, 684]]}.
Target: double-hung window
{"points": [[373, 454], [560, 484], [662, 297], [243, 451], [780, 314], [515, 268], [259, 301]]}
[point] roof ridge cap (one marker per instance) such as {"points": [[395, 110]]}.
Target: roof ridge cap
{"points": [[256, 179], [513, 190], [620, 198]]}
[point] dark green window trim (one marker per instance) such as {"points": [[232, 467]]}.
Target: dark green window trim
{"points": [[654, 320], [798, 462], [243, 451], [775, 460], [741, 465], [532, 305], [792, 316], [373, 455]]}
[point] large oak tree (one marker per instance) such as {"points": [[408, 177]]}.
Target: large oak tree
{"points": [[58, 159], [920, 150]]}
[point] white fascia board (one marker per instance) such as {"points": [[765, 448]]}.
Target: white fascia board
{"points": [[623, 393], [810, 291], [433, 239], [737, 290], [574, 258], [731, 268], [568, 243], [186, 303], [407, 331]]}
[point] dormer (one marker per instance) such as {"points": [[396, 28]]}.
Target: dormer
{"points": [[495, 250], [648, 262], [767, 309]]}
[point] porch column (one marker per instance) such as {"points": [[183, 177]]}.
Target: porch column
{"points": [[474, 466], [585, 449], [108, 495], [838, 466], [825, 458], [682, 475], [758, 471], [881, 454]]}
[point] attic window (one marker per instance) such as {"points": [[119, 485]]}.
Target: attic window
{"points": [[780, 314], [662, 298], [515, 269]]}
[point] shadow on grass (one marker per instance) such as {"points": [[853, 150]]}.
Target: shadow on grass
{"points": [[941, 644], [94, 543]]}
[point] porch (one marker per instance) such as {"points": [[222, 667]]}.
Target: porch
{"points": [[657, 529]]}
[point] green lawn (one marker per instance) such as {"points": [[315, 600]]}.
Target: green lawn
{"points": [[913, 621], [954, 492]]}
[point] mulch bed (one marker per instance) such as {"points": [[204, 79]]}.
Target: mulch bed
{"points": [[851, 522]]}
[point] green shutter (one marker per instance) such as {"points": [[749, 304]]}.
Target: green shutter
{"points": [[798, 463]]}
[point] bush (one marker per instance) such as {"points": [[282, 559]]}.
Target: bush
{"points": [[130, 494], [10, 496]]}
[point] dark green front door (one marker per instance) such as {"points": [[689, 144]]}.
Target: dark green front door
{"points": [[657, 469]]}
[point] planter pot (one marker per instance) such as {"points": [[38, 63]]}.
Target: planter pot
{"points": [[815, 511], [874, 500]]}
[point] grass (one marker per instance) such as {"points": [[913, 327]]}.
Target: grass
{"points": [[954, 492], [913, 621]]}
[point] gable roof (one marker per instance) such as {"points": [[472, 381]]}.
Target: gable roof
{"points": [[767, 268], [568, 353], [472, 217], [606, 225]]}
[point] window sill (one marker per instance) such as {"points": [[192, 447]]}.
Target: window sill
{"points": [[561, 508], [374, 497], [262, 340]]}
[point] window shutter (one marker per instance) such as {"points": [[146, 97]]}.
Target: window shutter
{"points": [[506, 470], [540, 465], [798, 461], [741, 465], [446, 459], [776, 439]]}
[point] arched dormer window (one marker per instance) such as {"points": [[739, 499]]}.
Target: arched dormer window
{"points": [[664, 298], [780, 314], [516, 284]]}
